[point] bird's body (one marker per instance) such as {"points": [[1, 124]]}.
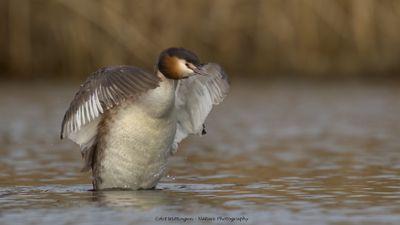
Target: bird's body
{"points": [[137, 140], [128, 122]]}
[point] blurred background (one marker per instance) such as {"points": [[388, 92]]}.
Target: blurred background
{"points": [[68, 39]]}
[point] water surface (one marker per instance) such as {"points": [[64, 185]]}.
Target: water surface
{"points": [[275, 153]]}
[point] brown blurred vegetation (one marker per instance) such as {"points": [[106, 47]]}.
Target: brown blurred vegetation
{"points": [[327, 38]]}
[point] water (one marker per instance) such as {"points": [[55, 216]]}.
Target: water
{"points": [[275, 153]]}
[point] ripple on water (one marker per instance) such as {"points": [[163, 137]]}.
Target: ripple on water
{"points": [[303, 154]]}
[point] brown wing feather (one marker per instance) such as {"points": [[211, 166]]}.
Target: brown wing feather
{"points": [[104, 89]]}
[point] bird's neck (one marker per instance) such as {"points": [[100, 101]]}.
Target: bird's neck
{"points": [[164, 79]]}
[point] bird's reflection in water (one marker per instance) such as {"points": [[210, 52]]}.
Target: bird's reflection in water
{"points": [[172, 196], [144, 199]]}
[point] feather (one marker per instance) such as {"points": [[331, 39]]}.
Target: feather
{"points": [[104, 89], [195, 97]]}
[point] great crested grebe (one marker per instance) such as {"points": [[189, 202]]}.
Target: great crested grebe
{"points": [[128, 121]]}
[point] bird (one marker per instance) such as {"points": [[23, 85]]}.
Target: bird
{"points": [[128, 122]]}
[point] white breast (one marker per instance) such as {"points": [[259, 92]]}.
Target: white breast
{"points": [[139, 140]]}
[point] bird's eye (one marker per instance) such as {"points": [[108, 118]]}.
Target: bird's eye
{"points": [[187, 65]]}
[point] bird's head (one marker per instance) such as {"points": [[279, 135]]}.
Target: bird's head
{"points": [[179, 63]]}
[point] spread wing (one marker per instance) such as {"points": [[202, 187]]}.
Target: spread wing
{"points": [[104, 89], [195, 97]]}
